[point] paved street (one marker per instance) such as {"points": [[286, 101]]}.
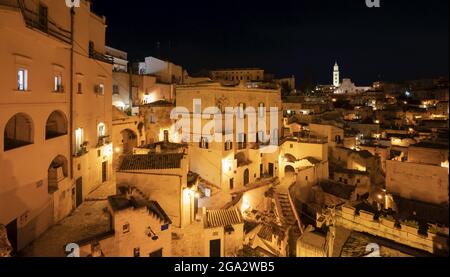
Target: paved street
{"points": [[88, 220]]}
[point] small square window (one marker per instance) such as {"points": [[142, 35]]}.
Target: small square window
{"points": [[126, 228], [115, 89], [80, 88]]}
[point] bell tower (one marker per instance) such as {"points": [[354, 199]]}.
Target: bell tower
{"points": [[336, 80]]}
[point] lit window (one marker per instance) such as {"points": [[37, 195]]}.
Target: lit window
{"points": [[78, 140], [22, 79], [152, 119], [100, 89], [101, 130], [58, 84]]}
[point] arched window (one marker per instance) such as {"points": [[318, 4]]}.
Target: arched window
{"points": [[56, 125], [19, 132]]}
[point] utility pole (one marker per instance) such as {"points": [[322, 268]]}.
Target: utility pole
{"points": [[72, 29]]}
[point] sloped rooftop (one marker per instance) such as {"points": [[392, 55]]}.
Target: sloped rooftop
{"points": [[151, 161], [222, 218]]}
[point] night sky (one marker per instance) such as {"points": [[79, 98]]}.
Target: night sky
{"points": [[404, 39]]}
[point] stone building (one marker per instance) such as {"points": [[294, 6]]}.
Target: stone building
{"points": [[128, 132], [418, 181], [158, 124], [165, 71], [55, 113], [238, 74], [162, 173], [224, 232], [139, 228], [234, 160], [131, 90]]}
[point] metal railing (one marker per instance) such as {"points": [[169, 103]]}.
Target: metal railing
{"points": [[99, 56], [43, 23]]}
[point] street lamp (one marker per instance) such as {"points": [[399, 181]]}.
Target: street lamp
{"points": [[151, 234]]}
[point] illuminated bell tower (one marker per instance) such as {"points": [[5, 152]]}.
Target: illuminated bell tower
{"points": [[336, 80]]}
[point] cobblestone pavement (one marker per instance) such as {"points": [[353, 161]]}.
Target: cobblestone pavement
{"points": [[87, 220]]}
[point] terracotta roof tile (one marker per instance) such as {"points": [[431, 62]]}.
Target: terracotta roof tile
{"points": [[151, 161], [222, 218]]}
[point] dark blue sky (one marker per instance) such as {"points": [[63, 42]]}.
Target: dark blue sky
{"points": [[404, 39]]}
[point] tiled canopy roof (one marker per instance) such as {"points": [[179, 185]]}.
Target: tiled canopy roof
{"points": [[151, 161], [222, 218]]}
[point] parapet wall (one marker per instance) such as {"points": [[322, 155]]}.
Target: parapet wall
{"points": [[386, 228]]}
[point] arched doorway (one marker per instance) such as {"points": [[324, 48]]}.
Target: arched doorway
{"points": [[289, 169], [57, 171], [56, 125], [129, 141], [246, 177], [19, 132]]}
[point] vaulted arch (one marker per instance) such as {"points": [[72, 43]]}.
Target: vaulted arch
{"points": [[19, 132], [56, 125]]}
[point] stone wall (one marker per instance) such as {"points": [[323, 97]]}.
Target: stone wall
{"points": [[385, 228], [5, 246]]}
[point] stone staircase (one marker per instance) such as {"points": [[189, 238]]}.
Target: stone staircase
{"points": [[285, 209]]}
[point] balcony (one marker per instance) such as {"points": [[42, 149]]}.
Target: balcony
{"points": [[82, 150], [93, 54], [104, 140], [36, 17]]}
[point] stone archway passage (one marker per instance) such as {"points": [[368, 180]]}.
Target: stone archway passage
{"points": [[289, 169]]}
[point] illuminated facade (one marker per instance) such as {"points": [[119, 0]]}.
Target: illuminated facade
{"points": [[231, 162], [55, 113]]}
